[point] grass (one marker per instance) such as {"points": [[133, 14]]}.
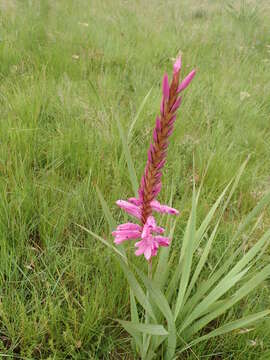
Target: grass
{"points": [[68, 71]]}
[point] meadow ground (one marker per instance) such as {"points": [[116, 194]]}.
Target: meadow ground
{"points": [[68, 70]]}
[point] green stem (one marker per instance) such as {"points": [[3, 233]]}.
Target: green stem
{"points": [[146, 339], [150, 269]]}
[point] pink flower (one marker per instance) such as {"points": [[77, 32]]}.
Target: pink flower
{"points": [[130, 208], [187, 80], [128, 231], [156, 206], [149, 244], [177, 65]]}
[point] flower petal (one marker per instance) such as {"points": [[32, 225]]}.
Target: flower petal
{"points": [[148, 253]]}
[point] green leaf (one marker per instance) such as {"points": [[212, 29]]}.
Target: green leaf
{"points": [[106, 210], [137, 290], [205, 286], [162, 269], [186, 255], [234, 325], [204, 225], [109, 218], [223, 286], [158, 297], [136, 335], [143, 328], [133, 308], [134, 314], [201, 231], [250, 255], [243, 291], [131, 168], [202, 261]]}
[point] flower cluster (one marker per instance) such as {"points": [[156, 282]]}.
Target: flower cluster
{"points": [[150, 186]]}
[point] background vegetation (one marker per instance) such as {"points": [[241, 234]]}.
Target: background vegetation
{"points": [[68, 70]]}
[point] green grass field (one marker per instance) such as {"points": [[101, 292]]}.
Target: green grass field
{"points": [[68, 70]]}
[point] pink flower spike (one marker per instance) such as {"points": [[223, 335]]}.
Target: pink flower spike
{"points": [[186, 81], [177, 65], [156, 206], [166, 87], [129, 208]]}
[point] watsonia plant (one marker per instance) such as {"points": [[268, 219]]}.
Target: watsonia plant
{"points": [[176, 304]]}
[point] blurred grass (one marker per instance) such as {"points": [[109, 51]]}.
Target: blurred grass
{"points": [[68, 70]]}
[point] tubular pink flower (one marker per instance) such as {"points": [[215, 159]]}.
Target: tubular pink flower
{"points": [[129, 208], [177, 65], [126, 231], [156, 206], [176, 104], [149, 243], [187, 80]]}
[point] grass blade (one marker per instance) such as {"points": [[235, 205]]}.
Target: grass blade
{"points": [[106, 210], [131, 168], [105, 242], [138, 114]]}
